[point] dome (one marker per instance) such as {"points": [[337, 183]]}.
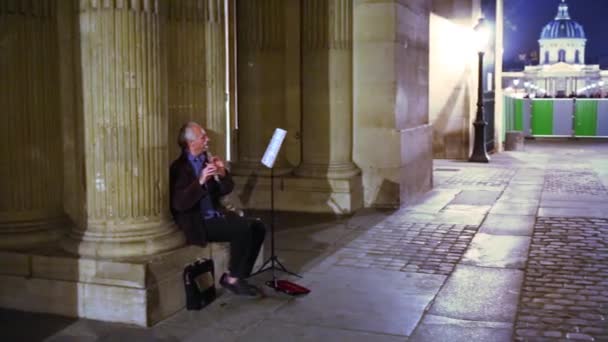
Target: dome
{"points": [[562, 26]]}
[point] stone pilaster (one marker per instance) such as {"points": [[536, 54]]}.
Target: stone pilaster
{"points": [[327, 89], [261, 81], [125, 132], [195, 35], [31, 208], [392, 135]]}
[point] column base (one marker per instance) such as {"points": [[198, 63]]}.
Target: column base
{"points": [[133, 240], [139, 291], [302, 194], [330, 171], [23, 235]]}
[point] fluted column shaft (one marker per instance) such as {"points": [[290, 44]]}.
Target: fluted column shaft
{"points": [[327, 89], [125, 119], [261, 81], [197, 69], [31, 206]]}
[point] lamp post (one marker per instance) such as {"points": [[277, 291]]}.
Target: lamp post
{"points": [[480, 155]]}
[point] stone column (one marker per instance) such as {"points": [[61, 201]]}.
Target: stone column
{"points": [[195, 36], [327, 89], [31, 208], [261, 82], [215, 48], [125, 123]]}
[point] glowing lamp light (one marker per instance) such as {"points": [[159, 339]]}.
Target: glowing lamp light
{"points": [[481, 35]]}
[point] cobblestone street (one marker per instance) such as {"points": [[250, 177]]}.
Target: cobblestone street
{"points": [[409, 247], [565, 291], [580, 182], [513, 250]]}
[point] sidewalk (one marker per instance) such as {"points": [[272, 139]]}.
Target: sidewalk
{"points": [[513, 250]]}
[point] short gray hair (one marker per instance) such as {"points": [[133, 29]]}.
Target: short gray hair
{"points": [[186, 134]]}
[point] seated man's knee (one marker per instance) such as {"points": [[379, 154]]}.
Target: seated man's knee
{"points": [[258, 227]]}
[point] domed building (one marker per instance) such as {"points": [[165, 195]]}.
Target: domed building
{"points": [[562, 40], [562, 70]]}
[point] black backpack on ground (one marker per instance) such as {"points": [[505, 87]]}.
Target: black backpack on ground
{"points": [[199, 283]]}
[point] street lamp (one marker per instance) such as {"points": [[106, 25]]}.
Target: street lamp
{"points": [[480, 155]]}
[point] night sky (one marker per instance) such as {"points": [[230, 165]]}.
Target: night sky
{"points": [[524, 20]]}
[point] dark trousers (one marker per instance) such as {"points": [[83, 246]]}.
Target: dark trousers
{"points": [[245, 235]]}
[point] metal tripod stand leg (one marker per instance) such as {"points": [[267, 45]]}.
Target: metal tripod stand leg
{"points": [[283, 269], [273, 258]]}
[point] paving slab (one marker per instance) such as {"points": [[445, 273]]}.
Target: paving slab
{"points": [[366, 218], [300, 261], [574, 204], [445, 216], [274, 330], [479, 294], [479, 197], [532, 188], [26, 326], [72, 338], [342, 299], [227, 313], [518, 198], [437, 328], [433, 201], [134, 335], [552, 196], [313, 239], [514, 208], [517, 225], [535, 180], [573, 212], [497, 251], [468, 208], [459, 217]]}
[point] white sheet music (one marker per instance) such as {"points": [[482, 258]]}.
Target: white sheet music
{"points": [[273, 147]]}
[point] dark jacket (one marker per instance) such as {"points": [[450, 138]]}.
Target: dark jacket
{"points": [[185, 194]]}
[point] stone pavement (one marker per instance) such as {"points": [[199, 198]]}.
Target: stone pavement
{"points": [[513, 250]]}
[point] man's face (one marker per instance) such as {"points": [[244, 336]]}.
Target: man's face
{"points": [[199, 144]]}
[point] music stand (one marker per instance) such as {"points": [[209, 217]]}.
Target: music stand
{"points": [[273, 263]]}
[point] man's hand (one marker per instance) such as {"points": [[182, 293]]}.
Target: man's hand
{"points": [[219, 165], [208, 172]]}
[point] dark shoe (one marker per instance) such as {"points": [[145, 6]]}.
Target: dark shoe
{"points": [[240, 288]]}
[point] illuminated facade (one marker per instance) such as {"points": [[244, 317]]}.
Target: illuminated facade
{"points": [[562, 70]]}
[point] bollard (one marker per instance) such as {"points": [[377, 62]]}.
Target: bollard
{"points": [[514, 141]]}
